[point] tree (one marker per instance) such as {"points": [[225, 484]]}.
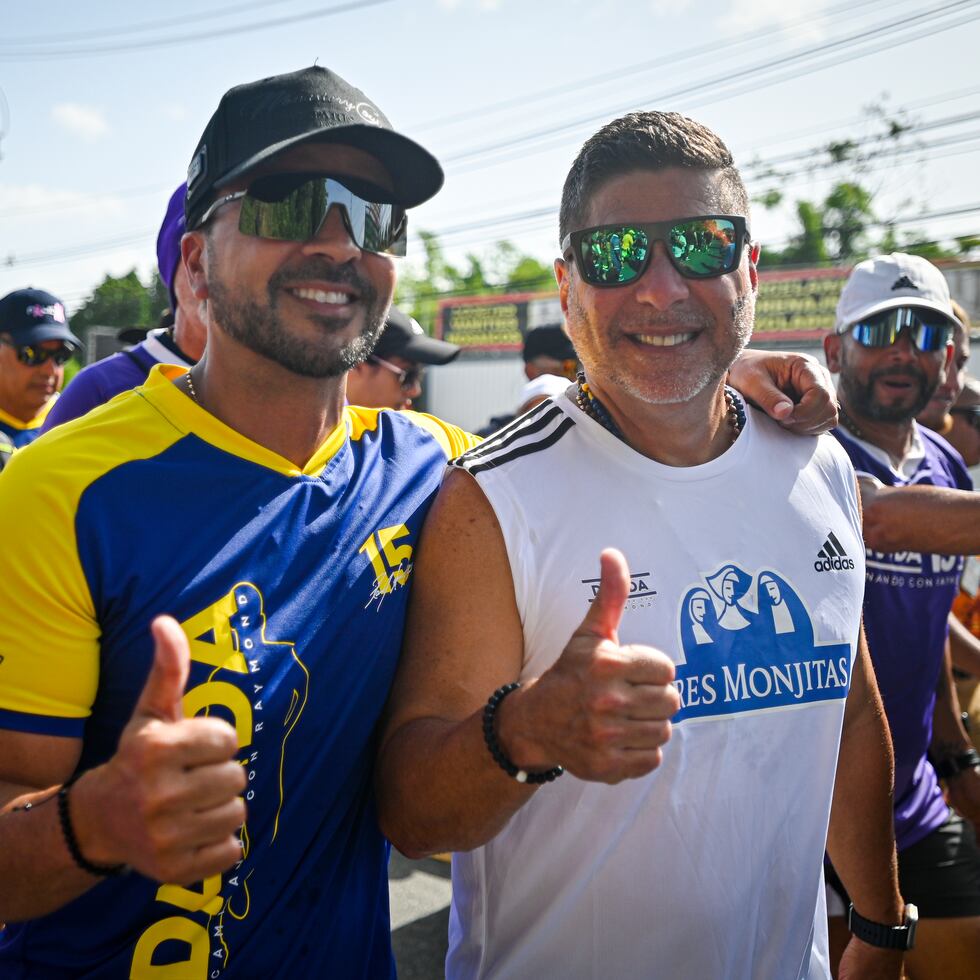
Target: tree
{"points": [[503, 268], [122, 301], [844, 227]]}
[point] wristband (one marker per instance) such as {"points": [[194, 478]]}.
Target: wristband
{"points": [[71, 841], [881, 935], [953, 765], [490, 737]]}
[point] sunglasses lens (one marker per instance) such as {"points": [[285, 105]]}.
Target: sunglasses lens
{"points": [[34, 356], [883, 330], [292, 207], [614, 256], [877, 332], [704, 247]]}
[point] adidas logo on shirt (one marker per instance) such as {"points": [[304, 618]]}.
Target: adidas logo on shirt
{"points": [[832, 557]]}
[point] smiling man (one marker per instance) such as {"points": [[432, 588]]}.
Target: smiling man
{"points": [[892, 347], [277, 527], [635, 762], [35, 344]]}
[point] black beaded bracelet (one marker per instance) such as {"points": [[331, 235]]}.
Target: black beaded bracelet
{"points": [[490, 737], [71, 841]]}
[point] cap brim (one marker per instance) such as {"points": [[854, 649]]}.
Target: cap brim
{"points": [[893, 303], [428, 350], [415, 172], [46, 331]]}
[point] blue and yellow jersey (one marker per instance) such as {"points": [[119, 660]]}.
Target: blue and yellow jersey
{"points": [[291, 587], [15, 434]]}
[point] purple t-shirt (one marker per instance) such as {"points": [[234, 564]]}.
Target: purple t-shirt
{"points": [[907, 600], [99, 382]]}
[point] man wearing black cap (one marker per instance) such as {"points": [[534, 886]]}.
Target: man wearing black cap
{"points": [[35, 344], [277, 527], [391, 377], [547, 350]]}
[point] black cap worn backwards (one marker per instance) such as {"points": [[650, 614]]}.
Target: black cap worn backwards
{"points": [[259, 119], [548, 341]]}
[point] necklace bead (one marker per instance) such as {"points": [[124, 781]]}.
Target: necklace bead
{"points": [[587, 401], [190, 388]]}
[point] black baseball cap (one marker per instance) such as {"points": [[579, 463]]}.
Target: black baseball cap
{"points": [[548, 341], [403, 337], [259, 119], [31, 316]]}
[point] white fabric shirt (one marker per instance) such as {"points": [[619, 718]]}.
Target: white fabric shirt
{"points": [[748, 571]]}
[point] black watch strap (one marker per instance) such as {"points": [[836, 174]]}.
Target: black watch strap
{"points": [[881, 935], [953, 765]]}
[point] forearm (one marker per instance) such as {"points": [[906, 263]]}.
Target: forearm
{"points": [[36, 869], [933, 519], [964, 648], [439, 788], [861, 837], [948, 734]]}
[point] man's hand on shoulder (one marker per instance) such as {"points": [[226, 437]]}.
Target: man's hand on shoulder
{"points": [[602, 710], [793, 389], [168, 803]]}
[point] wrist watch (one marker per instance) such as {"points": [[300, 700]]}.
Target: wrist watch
{"points": [[953, 765], [884, 936]]}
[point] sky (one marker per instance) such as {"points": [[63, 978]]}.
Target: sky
{"points": [[100, 111]]}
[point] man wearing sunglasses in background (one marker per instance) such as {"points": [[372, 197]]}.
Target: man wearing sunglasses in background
{"points": [[892, 347], [712, 617], [391, 376], [35, 344]]}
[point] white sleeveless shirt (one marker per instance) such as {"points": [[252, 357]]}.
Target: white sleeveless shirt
{"points": [[748, 572]]}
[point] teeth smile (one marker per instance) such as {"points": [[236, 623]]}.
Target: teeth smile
{"points": [[322, 296], [656, 340]]}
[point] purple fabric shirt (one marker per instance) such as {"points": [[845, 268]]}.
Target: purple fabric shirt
{"points": [[105, 379], [907, 600]]}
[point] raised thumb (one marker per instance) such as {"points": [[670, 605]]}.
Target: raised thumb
{"points": [[606, 610], [164, 687]]}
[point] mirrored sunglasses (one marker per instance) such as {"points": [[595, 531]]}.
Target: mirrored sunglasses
{"points": [[407, 379], [293, 207], [702, 247], [32, 356], [926, 330]]}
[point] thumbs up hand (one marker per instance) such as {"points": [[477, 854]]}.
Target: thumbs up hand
{"points": [[168, 803], [602, 710]]}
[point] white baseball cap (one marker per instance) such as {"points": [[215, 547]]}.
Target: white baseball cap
{"points": [[890, 281]]}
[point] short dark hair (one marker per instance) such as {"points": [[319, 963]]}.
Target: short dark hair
{"points": [[646, 141]]}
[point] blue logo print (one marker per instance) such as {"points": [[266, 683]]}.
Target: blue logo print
{"points": [[749, 645]]}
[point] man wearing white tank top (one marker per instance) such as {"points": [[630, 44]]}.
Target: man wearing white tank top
{"points": [[528, 728]]}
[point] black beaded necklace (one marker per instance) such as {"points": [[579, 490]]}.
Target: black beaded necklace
{"points": [[587, 401], [849, 423]]}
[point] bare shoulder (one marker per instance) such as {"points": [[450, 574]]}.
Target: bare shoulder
{"points": [[464, 636]]}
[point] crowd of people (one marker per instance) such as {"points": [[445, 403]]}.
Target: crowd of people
{"points": [[666, 659]]}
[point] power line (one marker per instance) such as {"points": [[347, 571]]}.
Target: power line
{"points": [[103, 32], [518, 143], [672, 59], [44, 55]]}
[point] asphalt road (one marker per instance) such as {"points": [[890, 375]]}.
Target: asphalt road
{"points": [[419, 893]]}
